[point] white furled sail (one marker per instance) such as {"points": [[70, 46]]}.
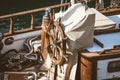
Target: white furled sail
{"points": [[78, 24]]}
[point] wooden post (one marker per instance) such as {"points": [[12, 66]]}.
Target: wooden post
{"points": [[45, 23], [32, 21], [56, 72], [97, 4], [11, 31]]}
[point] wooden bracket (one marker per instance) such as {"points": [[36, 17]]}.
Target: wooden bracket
{"points": [[99, 43]]}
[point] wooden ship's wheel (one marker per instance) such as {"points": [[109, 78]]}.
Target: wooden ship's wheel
{"points": [[56, 44], [53, 39]]}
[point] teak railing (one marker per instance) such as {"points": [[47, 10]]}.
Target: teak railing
{"points": [[32, 27], [32, 13], [110, 10]]}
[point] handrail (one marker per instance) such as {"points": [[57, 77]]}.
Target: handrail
{"points": [[34, 11], [31, 12], [111, 11]]}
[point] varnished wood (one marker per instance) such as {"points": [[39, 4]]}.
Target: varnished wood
{"points": [[88, 62], [99, 43], [53, 39], [98, 32], [15, 75], [12, 72], [97, 4], [35, 10], [43, 39], [32, 26], [110, 11], [11, 31], [22, 31], [86, 70], [97, 56], [32, 21]]}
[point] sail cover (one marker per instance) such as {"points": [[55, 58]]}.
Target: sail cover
{"points": [[78, 24]]}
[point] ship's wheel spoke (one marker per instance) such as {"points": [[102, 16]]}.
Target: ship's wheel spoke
{"points": [[52, 33], [56, 53], [56, 33]]}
